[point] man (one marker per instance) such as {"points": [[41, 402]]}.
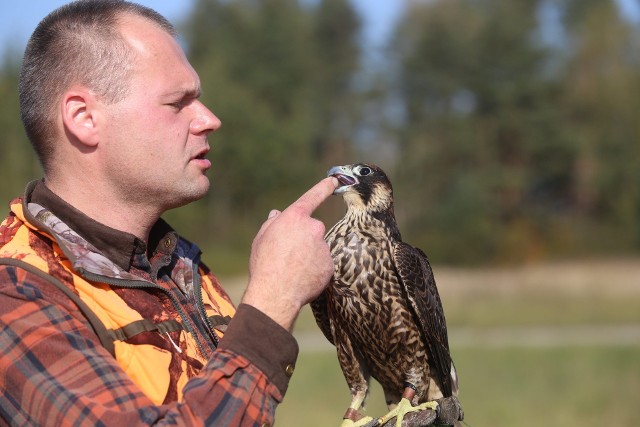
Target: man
{"points": [[107, 316]]}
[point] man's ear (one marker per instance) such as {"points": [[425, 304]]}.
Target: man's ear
{"points": [[79, 115]]}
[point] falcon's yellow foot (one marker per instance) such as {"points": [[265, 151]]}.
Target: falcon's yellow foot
{"points": [[352, 417], [361, 422], [404, 407]]}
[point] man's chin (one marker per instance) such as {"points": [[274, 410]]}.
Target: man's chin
{"points": [[190, 194], [199, 191]]}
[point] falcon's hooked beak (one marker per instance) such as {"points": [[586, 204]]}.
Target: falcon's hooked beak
{"points": [[345, 177]]}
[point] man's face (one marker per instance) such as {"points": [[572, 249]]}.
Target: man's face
{"points": [[155, 139]]}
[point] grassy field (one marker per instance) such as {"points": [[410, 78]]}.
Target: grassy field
{"points": [[586, 386], [511, 381]]}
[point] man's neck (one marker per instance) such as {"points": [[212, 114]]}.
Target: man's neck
{"points": [[107, 209]]}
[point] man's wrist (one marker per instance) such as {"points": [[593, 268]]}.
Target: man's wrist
{"points": [[279, 309]]}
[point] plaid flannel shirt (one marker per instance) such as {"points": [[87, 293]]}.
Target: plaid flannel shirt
{"points": [[54, 371]]}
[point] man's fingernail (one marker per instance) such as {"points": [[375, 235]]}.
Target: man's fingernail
{"points": [[273, 213]]}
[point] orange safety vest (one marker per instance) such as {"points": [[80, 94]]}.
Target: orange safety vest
{"points": [[111, 317]]}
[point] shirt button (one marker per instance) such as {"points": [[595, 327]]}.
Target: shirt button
{"points": [[289, 370]]}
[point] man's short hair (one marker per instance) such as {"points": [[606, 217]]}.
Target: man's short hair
{"points": [[79, 43]]}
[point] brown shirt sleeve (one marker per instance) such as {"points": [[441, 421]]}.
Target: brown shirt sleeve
{"points": [[264, 343]]}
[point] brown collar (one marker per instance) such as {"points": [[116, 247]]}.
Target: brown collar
{"points": [[119, 246]]}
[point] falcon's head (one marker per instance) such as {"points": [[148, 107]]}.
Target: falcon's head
{"points": [[364, 187]]}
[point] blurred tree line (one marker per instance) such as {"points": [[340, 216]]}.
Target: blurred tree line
{"points": [[510, 128]]}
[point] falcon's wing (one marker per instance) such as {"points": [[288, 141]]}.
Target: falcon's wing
{"points": [[417, 279], [320, 311]]}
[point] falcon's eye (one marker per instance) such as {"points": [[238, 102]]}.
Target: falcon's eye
{"points": [[364, 171]]}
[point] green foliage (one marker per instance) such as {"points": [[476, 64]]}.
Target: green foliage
{"points": [[518, 160], [18, 164], [501, 147]]}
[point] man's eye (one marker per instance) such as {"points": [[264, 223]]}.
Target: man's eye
{"points": [[178, 105]]}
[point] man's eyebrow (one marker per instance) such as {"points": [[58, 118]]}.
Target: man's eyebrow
{"points": [[186, 93]]}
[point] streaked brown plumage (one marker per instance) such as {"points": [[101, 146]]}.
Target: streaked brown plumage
{"points": [[382, 310]]}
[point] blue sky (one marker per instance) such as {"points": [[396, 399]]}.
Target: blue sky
{"points": [[19, 19]]}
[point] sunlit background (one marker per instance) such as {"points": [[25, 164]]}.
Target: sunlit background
{"points": [[511, 132]]}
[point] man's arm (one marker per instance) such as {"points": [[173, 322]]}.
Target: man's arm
{"points": [[290, 262], [54, 371]]}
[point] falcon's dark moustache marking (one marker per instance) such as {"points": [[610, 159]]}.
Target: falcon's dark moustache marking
{"points": [[365, 192]]}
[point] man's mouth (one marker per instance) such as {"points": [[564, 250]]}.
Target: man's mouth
{"points": [[202, 154], [201, 159]]}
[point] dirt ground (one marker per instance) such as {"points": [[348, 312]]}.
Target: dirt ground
{"points": [[621, 277]]}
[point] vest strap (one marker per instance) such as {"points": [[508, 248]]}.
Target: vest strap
{"points": [[108, 336], [98, 327], [146, 325]]}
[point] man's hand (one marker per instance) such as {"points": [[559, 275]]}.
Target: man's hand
{"points": [[290, 263]]}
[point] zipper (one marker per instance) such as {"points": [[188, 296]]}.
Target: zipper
{"points": [[200, 305]]}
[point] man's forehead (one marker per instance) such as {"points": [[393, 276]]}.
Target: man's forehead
{"points": [[157, 51], [144, 36]]}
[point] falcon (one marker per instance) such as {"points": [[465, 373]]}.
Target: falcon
{"points": [[382, 310]]}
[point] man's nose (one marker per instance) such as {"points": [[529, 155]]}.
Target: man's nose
{"points": [[205, 121]]}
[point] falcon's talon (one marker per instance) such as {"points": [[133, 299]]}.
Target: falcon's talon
{"points": [[404, 407], [360, 423], [433, 405]]}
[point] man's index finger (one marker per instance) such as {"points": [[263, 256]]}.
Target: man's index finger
{"points": [[317, 194]]}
